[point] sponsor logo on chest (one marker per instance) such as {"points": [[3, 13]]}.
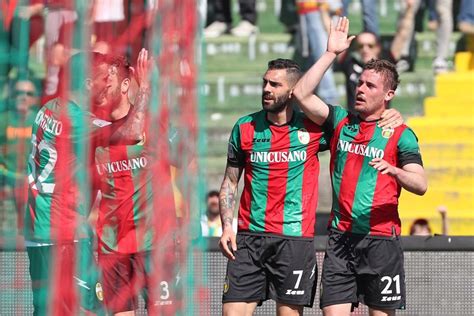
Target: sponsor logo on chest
{"points": [[278, 156], [122, 165], [360, 149]]}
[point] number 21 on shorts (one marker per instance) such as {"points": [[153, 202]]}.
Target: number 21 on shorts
{"points": [[391, 288]]}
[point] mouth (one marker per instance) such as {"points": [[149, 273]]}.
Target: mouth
{"points": [[360, 99], [267, 98]]}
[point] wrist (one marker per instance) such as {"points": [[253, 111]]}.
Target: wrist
{"points": [[331, 54]]}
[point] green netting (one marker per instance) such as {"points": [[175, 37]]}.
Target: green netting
{"points": [[48, 181]]}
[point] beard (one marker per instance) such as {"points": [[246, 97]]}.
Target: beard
{"points": [[279, 104]]}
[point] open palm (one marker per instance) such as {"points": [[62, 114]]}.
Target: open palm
{"points": [[338, 40]]}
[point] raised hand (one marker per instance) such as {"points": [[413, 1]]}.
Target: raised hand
{"points": [[142, 73], [338, 40]]}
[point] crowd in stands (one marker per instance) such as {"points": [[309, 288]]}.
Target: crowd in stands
{"points": [[309, 21]]}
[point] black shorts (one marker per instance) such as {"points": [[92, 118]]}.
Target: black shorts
{"points": [[272, 267], [367, 269]]}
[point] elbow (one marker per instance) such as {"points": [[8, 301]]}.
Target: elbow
{"points": [[421, 190], [297, 94]]}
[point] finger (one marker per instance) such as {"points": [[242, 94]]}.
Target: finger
{"points": [[229, 253], [233, 243], [345, 25], [343, 22], [332, 27], [339, 23], [145, 58], [350, 39]]}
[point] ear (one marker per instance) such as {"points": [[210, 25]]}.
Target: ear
{"points": [[389, 95], [125, 85]]}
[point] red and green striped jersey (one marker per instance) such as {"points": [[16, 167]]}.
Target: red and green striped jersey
{"points": [[281, 168], [135, 184], [364, 200], [124, 223], [57, 207]]}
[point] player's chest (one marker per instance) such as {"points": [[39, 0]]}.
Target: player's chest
{"points": [[117, 161]]}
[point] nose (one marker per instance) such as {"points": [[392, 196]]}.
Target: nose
{"points": [[267, 87]]}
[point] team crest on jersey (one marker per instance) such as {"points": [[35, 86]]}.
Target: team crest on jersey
{"points": [[387, 132], [303, 136], [226, 285], [98, 291]]}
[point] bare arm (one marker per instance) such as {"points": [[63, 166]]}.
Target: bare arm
{"points": [[312, 105], [443, 210], [227, 201], [134, 126], [411, 176]]}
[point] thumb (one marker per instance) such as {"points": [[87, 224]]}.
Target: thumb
{"points": [[233, 242], [350, 39]]}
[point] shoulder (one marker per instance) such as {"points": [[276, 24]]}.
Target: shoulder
{"points": [[407, 133], [250, 118]]}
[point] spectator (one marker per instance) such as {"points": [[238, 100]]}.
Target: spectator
{"points": [[367, 47], [109, 19], [15, 133], [466, 17], [421, 226], [223, 19], [59, 20], [211, 225], [312, 44], [370, 16], [405, 34]]}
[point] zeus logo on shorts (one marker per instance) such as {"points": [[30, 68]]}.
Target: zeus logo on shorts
{"points": [[295, 291], [390, 298]]}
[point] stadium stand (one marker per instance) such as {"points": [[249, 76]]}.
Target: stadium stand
{"points": [[446, 134]]}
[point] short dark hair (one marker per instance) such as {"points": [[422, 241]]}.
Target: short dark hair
{"points": [[122, 64], [419, 222], [293, 70], [377, 38], [77, 71], [212, 193], [388, 71]]}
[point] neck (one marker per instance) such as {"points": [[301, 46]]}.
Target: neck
{"points": [[372, 116], [212, 217], [282, 117], [121, 110]]}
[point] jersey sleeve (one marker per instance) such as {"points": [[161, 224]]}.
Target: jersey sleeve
{"points": [[408, 149], [336, 114], [235, 154]]}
